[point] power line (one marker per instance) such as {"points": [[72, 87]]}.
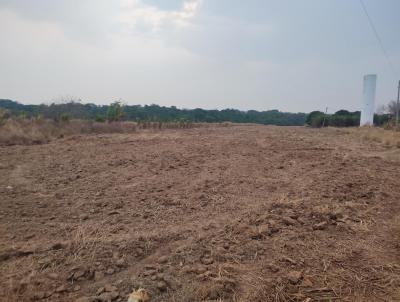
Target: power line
{"points": [[377, 36]]}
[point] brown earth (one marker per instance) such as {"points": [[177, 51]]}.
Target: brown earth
{"points": [[238, 213]]}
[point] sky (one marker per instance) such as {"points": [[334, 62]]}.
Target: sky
{"points": [[289, 55]]}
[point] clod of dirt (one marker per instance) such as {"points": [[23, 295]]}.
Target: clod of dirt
{"points": [[110, 271], [242, 228], [320, 226], [5, 255], [78, 275], [140, 295], [200, 269], [262, 231], [212, 291], [23, 252], [335, 215], [150, 267], [207, 260], [107, 297], [273, 268], [110, 288], [42, 295], [205, 276], [294, 277], [290, 260], [59, 246], [288, 221], [273, 227], [84, 217], [171, 282], [162, 286], [29, 236], [120, 262], [162, 259], [61, 289], [53, 276], [98, 275], [149, 272]]}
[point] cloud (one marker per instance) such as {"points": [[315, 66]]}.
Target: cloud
{"points": [[40, 62], [96, 21], [136, 15]]}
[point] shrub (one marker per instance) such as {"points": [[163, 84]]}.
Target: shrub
{"points": [[341, 118], [315, 119], [100, 119], [64, 117], [115, 112], [4, 114]]}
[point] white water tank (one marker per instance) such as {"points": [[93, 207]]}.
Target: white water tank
{"points": [[367, 113]]}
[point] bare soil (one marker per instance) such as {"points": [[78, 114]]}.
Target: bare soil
{"points": [[238, 213]]}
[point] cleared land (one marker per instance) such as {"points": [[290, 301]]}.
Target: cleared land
{"points": [[238, 213]]}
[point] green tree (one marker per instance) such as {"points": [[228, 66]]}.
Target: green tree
{"points": [[115, 112], [315, 119]]}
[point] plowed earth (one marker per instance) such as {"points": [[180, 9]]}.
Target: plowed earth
{"points": [[238, 213]]}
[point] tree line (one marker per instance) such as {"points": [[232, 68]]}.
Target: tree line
{"points": [[343, 118], [117, 111], [153, 113]]}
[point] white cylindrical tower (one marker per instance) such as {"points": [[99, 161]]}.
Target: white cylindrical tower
{"points": [[367, 113]]}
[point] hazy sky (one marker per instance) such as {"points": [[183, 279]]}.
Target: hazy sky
{"points": [[291, 55]]}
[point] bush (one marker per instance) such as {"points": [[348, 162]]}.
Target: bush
{"points": [[382, 119], [100, 119], [341, 118], [64, 117], [315, 119], [115, 112], [4, 114]]}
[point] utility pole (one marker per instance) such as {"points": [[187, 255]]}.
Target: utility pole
{"points": [[398, 106]]}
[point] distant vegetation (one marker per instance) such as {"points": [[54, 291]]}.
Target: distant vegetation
{"points": [[117, 112], [342, 118], [152, 113]]}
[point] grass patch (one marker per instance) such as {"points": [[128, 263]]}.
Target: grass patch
{"points": [[387, 137], [25, 131]]}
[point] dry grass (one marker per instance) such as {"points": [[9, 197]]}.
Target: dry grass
{"points": [[86, 241], [37, 131], [17, 131], [388, 137]]}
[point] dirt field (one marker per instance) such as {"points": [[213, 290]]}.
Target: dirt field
{"points": [[238, 213]]}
